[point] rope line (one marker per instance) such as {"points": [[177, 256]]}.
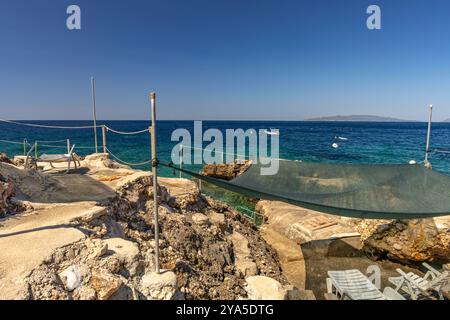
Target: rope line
{"points": [[46, 126], [14, 142], [127, 133], [49, 141], [72, 127], [128, 163]]}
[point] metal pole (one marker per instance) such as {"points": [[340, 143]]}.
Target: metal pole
{"points": [[104, 138], [155, 178], [427, 151], [24, 147], [181, 158], [35, 150], [94, 113], [68, 146]]}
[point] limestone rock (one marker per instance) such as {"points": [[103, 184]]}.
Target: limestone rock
{"points": [[242, 256], [218, 219], [127, 253], [446, 291], [5, 159], [265, 288], [225, 171], [6, 192], [161, 286], [200, 219], [412, 240], [248, 268], [101, 160], [84, 293], [96, 247], [94, 213], [105, 284], [71, 277]]}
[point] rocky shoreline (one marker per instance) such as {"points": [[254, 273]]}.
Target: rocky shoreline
{"points": [[97, 230], [208, 251]]}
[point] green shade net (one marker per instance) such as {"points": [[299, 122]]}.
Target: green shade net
{"points": [[360, 191]]}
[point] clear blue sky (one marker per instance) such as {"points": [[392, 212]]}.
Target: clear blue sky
{"points": [[224, 59]]}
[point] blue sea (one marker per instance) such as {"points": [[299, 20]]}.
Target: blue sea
{"points": [[368, 142]]}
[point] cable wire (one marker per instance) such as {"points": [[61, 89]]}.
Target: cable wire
{"points": [[127, 133], [128, 163]]}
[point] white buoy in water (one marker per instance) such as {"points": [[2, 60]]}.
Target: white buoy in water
{"points": [[412, 162], [335, 145]]}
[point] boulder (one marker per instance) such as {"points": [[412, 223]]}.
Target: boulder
{"points": [[161, 286], [200, 219], [264, 288], [101, 160], [217, 219], [226, 171], [97, 248], [4, 158], [445, 289], [127, 253], [71, 277], [242, 256], [6, 192], [247, 268], [407, 241], [84, 293], [104, 283]]}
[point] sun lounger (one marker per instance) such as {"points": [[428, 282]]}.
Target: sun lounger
{"points": [[417, 286], [354, 285], [55, 158]]}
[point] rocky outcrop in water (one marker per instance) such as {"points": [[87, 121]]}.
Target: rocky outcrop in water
{"points": [[226, 171], [406, 241]]}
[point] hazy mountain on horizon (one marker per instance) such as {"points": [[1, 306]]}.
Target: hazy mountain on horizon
{"points": [[356, 118]]}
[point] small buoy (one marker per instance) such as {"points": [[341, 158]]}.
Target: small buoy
{"points": [[335, 145], [412, 162]]}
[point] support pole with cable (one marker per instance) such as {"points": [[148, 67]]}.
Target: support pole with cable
{"points": [[104, 138], [155, 179], [427, 163], [94, 113], [181, 154]]}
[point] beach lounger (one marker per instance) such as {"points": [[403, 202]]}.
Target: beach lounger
{"points": [[354, 285], [417, 286], [67, 157]]}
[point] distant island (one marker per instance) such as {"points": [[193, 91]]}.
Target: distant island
{"points": [[356, 118]]}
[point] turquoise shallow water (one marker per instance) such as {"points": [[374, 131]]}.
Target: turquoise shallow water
{"points": [[309, 141]]}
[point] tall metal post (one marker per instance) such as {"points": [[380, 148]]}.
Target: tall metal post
{"points": [[155, 179], [94, 112], [35, 150], [181, 154], [68, 146], [24, 147], [427, 151], [104, 138]]}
